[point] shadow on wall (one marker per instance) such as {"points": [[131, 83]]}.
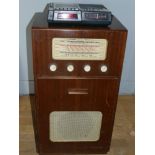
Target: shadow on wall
{"points": [[29, 56]]}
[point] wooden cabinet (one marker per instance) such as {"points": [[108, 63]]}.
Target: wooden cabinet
{"points": [[77, 90]]}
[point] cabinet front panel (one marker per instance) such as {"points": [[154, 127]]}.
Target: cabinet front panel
{"points": [[87, 105], [78, 48]]}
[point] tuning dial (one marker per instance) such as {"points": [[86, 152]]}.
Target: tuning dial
{"points": [[70, 68], [53, 67], [87, 68], [104, 68]]}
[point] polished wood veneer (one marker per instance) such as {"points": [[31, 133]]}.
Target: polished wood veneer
{"points": [[51, 88]]}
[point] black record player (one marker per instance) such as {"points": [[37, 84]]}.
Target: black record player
{"points": [[75, 13]]}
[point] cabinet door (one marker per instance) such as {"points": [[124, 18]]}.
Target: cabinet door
{"points": [[80, 112]]}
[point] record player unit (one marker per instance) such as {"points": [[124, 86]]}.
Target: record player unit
{"points": [[77, 73], [81, 14]]}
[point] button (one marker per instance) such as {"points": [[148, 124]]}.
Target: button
{"points": [[104, 68], [70, 68], [87, 68], [53, 67]]}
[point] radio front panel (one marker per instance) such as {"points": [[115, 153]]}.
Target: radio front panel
{"points": [[78, 53]]}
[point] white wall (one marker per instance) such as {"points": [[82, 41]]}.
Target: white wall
{"points": [[122, 9]]}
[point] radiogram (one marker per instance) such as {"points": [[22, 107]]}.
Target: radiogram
{"points": [[77, 71]]}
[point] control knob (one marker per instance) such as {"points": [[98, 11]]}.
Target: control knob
{"points": [[87, 68], [70, 68], [53, 67], [104, 68]]}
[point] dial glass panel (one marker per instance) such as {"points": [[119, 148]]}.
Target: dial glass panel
{"points": [[79, 49]]}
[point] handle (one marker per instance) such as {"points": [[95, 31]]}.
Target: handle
{"points": [[77, 91]]}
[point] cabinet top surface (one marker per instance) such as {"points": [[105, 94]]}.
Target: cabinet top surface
{"points": [[39, 21]]}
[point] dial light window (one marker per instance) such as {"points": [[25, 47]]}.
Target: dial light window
{"points": [[67, 16]]}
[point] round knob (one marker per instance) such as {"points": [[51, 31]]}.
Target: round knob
{"points": [[53, 67], [70, 68], [104, 68], [87, 68]]}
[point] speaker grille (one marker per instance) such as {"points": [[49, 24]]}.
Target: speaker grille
{"points": [[75, 126]]}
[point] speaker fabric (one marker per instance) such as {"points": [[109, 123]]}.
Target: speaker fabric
{"points": [[75, 126]]}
